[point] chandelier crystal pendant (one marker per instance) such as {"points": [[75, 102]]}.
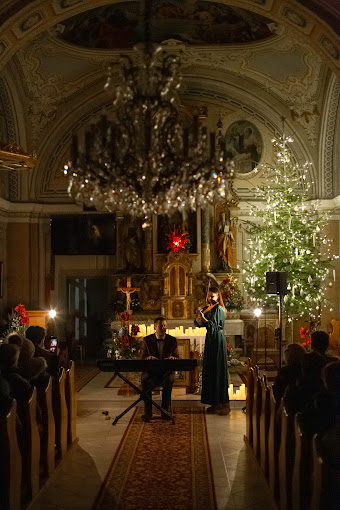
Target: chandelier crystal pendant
{"points": [[145, 161]]}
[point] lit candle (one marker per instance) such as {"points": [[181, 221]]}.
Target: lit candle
{"points": [[314, 239], [231, 387], [289, 222], [334, 274], [296, 252], [243, 391]]}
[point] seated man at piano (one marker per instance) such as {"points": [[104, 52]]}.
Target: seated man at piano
{"points": [[159, 345]]}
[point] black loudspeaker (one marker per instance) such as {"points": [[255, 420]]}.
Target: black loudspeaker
{"points": [[276, 283]]}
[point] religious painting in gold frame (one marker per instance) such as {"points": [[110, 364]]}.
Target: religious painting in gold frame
{"points": [[1, 279], [183, 378]]}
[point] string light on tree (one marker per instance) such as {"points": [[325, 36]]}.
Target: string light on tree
{"points": [[294, 242]]}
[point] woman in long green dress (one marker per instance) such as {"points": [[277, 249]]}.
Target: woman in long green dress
{"points": [[215, 365]]}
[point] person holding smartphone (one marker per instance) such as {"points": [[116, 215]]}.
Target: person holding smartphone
{"points": [[37, 335], [53, 345]]}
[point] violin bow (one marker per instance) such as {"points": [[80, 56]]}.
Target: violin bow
{"points": [[206, 297]]}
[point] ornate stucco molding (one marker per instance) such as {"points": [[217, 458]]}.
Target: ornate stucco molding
{"points": [[328, 140], [6, 106]]}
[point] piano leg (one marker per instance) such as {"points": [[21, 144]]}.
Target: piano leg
{"points": [[126, 410], [142, 396]]}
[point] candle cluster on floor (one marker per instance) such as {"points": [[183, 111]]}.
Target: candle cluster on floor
{"points": [[239, 394]]}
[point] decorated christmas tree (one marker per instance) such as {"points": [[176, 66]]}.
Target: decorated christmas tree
{"points": [[288, 235]]}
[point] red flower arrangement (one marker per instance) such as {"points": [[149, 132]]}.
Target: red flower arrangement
{"points": [[231, 294], [125, 317], [18, 320], [134, 329], [304, 335], [23, 316], [177, 239], [124, 344]]}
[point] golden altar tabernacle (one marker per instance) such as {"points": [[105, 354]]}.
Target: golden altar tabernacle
{"points": [[177, 300]]}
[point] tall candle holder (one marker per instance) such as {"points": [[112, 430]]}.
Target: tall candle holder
{"points": [[198, 389]]}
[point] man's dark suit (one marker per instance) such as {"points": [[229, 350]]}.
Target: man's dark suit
{"points": [[158, 377]]}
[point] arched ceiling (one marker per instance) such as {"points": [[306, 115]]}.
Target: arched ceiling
{"points": [[244, 60]]}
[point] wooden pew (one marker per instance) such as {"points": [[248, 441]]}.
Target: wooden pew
{"points": [[257, 414], [303, 468], [274, 439], [286, 459], [264, 426], [71, 402], [47, 440], [250, 405], [60, 414], [325, 483], [30, 448], [10, 462]]}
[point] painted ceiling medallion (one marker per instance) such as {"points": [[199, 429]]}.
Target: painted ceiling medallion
{"points": [[197, 23]]}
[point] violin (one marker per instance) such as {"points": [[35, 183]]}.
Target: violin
{"points": [[204, 310]]}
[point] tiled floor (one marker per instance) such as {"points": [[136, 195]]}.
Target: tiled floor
{"points": [[239, 484]]}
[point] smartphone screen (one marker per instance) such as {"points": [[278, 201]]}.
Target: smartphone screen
{"points": [[53, 345]]}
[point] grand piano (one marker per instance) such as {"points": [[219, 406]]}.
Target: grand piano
{"points": [[144, 365]]}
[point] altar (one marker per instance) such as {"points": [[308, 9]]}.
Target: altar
{"points": [[185, 329]]}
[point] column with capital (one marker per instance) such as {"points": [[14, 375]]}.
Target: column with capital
{"points": [[119, 238], [148, 248], [205, 244]]}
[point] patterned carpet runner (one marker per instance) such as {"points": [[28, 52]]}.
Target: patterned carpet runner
{"points": [[84, 373], [161, 466]]}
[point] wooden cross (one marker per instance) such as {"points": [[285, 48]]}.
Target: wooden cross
{"points": [[128, 290]]}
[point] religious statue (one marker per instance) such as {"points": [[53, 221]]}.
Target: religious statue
{"points": [[226, 242], [132, 249]]}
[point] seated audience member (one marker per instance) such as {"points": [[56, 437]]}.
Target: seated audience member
{"points": [[5, 397], [20, 388], [63, 355], [37, 335], [31, 368], [288, 374], [300, 394], [331, 445], [159, 345], [323, 411], [15, 338], [320, 344]]}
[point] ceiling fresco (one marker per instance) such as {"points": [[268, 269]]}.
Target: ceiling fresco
{"points": [[120, 25]]}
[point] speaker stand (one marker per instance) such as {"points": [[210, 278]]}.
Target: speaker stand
{"points": [[280, 331]]}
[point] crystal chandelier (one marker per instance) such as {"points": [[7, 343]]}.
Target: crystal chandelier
{"points": [[145, 161]]}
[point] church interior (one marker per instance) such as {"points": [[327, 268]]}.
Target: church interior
{"points": [[108, 261]]}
